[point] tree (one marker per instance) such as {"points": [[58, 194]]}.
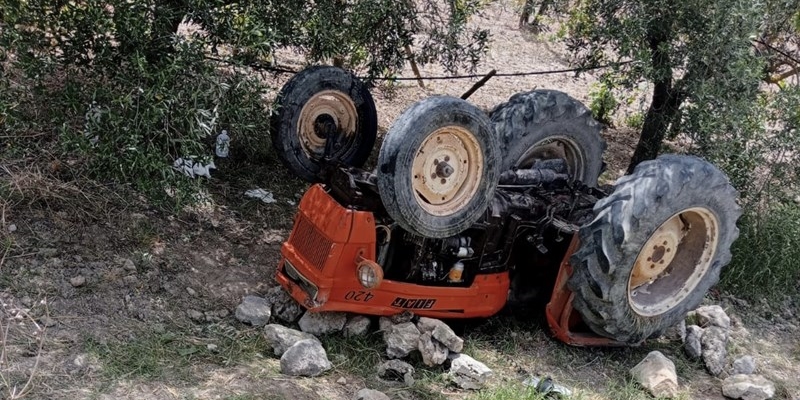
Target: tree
{"points": [[779, 40], [697, 54], [116, 84]]}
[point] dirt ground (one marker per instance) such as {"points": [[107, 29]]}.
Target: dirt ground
{"points": [[106, 297]]}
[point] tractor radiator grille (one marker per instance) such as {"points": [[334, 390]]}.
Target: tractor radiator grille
{"points": [[310, 243]]}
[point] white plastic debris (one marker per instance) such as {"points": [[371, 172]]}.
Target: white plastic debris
{"points": [[260, 194], [223, 144], [192, 168], [546, 386], [91, 119]]}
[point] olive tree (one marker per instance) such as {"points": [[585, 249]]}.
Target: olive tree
{"points": [[125, 93], [697, 55]]}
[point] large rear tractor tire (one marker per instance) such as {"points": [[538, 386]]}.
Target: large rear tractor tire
{"points": [[547, 124], [317, 103], [438, 167], [656, 246]]}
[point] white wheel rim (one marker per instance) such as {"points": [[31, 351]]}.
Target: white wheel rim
{"points": [[447, 170], [673, 262]]}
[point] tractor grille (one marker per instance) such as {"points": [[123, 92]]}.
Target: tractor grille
{"points": [[310, 243]]}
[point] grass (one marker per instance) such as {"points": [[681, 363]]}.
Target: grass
{"points": [[357, 355], [508, 391], [170, 353], [765, 255]]}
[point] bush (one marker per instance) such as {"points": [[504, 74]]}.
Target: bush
{"points": [[602, 102], [765, 256], [125, 94]]}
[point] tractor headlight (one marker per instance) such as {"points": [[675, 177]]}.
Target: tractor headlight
{"points": [[370, 274]]}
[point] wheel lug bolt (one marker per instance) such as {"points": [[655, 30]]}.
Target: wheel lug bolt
{"points": [[435, 161], [444, 181], [433, 176], [447, 158]]}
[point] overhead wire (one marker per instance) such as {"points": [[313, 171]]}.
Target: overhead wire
{"points": [[285, 70]]}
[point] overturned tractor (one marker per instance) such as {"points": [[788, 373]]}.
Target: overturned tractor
{"points": [[466, 213]]}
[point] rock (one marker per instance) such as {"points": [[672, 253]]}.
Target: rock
{"points": [[12, 228], [401, 339], [748, 387], [77, 281], [48, 322], [282, 338], [441, 332], [405, 316], [656, 373], [322, 323], [692, 344], [305, 358], [433, 352], [130, 279], [444, 334], [397, 370], [370, 394], [284, 307], [715, 349], [342, 381], [254, 310], [468, 373], [357, 325], [745, 365], [426, 324], [81, 361], [384, 324], [191, 291], [676, 332], [712, 316], [195, 315], [128, 265]]}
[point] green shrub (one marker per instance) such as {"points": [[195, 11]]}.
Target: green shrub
{"points": [[125, 92], [635, 120], [765, 257], [602, 102]]}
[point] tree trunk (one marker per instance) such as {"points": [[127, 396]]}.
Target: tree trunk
{"points": [[656, 122], [167, 18], [527, 9], [666, 99]]}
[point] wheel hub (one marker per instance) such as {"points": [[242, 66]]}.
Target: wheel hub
{"points": [[658, 253], [555, 147], [673, 261], [325, 113], [446, 170]]}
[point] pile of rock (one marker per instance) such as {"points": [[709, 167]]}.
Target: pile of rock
{"points": [[705, 335], [437, 344], [302, 354]]}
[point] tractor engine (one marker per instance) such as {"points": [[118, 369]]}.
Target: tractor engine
{"points": [[540, 205]]}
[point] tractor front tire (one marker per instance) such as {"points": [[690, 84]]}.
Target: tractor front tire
{"points": [[438, 167], [546, 124], [656, 246], [311, 106]]}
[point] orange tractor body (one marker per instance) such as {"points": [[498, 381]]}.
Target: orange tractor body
{"points": [[320, 259]]}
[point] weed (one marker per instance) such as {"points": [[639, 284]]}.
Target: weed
{"points": [[153, 354], [630, 390], [765, 255], [635, 120], [357, 355], [511, 390], [602, 102]]}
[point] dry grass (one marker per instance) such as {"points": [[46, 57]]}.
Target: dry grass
{"points": [[19, 381]]}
